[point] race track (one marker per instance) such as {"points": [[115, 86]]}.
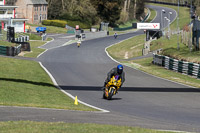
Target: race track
{"points": [[144, 100]]}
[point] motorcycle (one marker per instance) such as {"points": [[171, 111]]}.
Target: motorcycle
{"points": [[79, 43], [112, 87], [115, 35]]}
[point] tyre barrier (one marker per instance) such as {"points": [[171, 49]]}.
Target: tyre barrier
{"points": [[10, 51], [22, 39], [188, 68]]}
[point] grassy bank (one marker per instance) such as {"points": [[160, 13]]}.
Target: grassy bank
{"points": [[170, 49], [49, 29], [60, 127], [127, 49], [147, 66], [25, 83], [35, 51], [131, 48], [152, 16], [6, 43]]}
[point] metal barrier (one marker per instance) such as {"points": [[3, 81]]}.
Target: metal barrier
{"points": [[188, 68]]}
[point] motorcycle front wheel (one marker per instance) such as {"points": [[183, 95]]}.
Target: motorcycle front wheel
{"points": [[110, 94]]}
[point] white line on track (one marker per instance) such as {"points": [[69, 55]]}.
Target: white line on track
{"points": [[147, 74], [46, 43], [55, 83], [68, 94], [175, 131], [138, 69]]}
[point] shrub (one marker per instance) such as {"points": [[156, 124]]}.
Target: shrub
{"points": [[81, 25], [62, 23], [57, 23]]}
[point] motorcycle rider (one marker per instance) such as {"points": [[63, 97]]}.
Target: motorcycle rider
{"points": [[115, 71], [115, 35]]}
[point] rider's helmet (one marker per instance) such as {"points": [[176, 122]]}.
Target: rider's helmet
{"points": [[119, 69]]}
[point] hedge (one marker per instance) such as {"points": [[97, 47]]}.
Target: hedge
{"points": [[57, 23], [62, 23], [81, 25]]}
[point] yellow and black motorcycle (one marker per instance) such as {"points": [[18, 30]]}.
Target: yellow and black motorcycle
{"points": [[112, 87]]}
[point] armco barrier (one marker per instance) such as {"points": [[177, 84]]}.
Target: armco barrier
{"points": [[187, 68]]}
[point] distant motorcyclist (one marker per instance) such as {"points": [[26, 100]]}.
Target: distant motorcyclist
{"points": [[78, 43], [114, 72], [115, 35]]}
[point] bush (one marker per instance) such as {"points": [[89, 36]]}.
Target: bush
{"points": [[62, 23], [57, 23], [81, 25]]}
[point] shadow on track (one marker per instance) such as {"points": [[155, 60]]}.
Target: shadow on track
{"points": [[133, 89]]}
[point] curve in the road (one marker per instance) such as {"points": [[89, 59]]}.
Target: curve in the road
{"points": [[81, 72], [144, 100]]}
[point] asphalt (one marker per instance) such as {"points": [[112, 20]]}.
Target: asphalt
{"points": [[144, 100]]}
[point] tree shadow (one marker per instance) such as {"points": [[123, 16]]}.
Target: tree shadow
{"points": [[99, 88], [27, 82], [132, 89]]}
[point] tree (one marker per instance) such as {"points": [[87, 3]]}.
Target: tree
{"points": [[92, 11], [54, 9], [108, 10]]}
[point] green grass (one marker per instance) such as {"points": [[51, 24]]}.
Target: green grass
{"points": [[6, 43], [51, 29], [147, 66], [152, 16], [128, 24], [170, 49], [130, 48], [61, 127], [34, 37], [31, 36], [25, 83], [35, 51]]}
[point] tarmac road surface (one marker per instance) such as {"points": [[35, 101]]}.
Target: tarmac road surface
{"points": [[144, 100]]}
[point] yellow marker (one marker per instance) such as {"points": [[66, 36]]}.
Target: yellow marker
{"points": [[76, 101]]}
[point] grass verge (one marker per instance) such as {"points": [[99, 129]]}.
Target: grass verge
{"points": [[35, 51], [6, 43], [152, 16], [147, 66], [127, 49], [61, 127], [50, 29], [25, 83], [170, 49]]}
